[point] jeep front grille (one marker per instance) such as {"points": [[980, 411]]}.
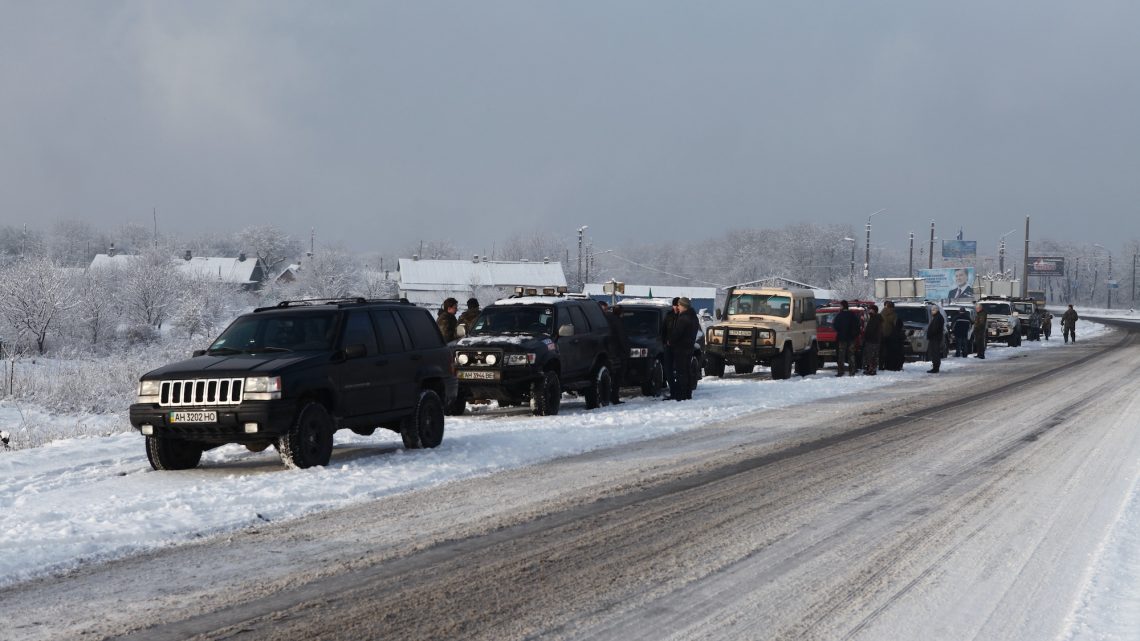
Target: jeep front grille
{"points": [[201, 391]]}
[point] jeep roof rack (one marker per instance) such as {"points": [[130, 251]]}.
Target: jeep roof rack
{"points": [[338, 301]]}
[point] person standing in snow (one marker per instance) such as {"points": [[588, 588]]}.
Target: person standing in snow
{"points": [[893, 338], [1069, 324], [846, 325], [872, 337], [1047, 325], [935, 335], [446, 320], [666, 330], [682, 338], [962, 334], [980, 331], [467, 318], [618, 347]]}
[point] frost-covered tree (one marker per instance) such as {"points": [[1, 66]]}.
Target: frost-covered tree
{"points": [[72, 243], [151, 286], [202, 305], [33, 296], [271, 246], [332, 272], [20, 241], [97, 307]]}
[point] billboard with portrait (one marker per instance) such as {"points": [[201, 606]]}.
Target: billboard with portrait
{"points": [[1046, 266], [949, 284], [959, 249]]}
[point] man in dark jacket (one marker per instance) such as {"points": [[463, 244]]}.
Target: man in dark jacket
{"points": [[1069, 324], [682, 338], [962, 334], [846, 325], [894, 336], [447, 321], [935, 335], [618, 347], [980, 331], [467, 318], [872, 336]]}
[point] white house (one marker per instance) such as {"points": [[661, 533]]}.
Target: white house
{"points": [[429, 282], [242, 271]]}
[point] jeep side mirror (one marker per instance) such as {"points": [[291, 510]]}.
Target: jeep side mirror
{"points": [[566, 330], [198, 352], [354, 351]]}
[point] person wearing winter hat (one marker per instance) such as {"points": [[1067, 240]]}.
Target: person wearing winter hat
{"points": [[467, 318], [680, 345]]}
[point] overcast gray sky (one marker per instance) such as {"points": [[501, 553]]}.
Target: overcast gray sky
{"points": [[381, 123]]}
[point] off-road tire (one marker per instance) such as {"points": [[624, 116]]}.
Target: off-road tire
{"points": [[654, 379], [782, 365], [694, 372], [309, 440], [546, 394], [806, 363], [598, 393], [714, 366], [424, 426], [172, 454], [744, 369], [456, 407]]}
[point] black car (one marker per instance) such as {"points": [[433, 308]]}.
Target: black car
{"points": [[531, 349], [293, 374], [644, 323]]}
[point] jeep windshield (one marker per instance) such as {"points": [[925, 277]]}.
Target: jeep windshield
{"points": [[515, 319], [642, 322], [1024, 308], [277, 333], [760, 305], [996, 308]]}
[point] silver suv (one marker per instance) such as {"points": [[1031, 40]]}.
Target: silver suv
{"points": [[915, 316]]}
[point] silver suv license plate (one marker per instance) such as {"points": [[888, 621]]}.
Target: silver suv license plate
{"points": [[193, 417]]}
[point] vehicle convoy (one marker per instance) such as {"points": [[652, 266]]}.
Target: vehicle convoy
{"points": [[825, 333], [1002, 323], [644, 323], [530, 349], [915, 316], [293, 374], [764, 326]]}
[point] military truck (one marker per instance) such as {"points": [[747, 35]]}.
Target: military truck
{"points": [[774, 327]]}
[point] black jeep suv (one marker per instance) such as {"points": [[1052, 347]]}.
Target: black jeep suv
{"points": [[293, 374], [644, 323], [530, 349]]}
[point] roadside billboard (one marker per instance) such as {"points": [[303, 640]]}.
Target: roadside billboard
{"points": [[959, 249], [949, 284], [1046, 266]]}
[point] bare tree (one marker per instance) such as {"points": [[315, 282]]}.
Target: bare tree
{"points": [[271, 246], [150, 289], [331, 273], [72, 243], [97, 306], [33, 296]]}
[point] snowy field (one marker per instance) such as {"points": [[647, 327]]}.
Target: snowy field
{"points": [[88, 499]]}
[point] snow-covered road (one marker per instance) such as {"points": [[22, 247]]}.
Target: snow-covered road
{"points": [[81, 501]]}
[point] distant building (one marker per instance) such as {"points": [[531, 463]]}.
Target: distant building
{"points": [[429, 282], [241, 271]]}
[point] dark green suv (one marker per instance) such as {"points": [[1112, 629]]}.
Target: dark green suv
{"points": [[293, 374]]}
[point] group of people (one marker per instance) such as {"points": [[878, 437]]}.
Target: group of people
{"points": [[449, 323]]}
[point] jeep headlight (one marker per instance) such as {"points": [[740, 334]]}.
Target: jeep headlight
{"points": [[491, 359], [149, 391], [638, 352], [262, 388], [462, 359], [516, 359]]}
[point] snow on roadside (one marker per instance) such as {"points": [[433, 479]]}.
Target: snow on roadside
{"points": [[90, 499]]}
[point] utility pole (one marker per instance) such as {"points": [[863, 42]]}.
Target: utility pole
{"points": [[867, 254], [581, 238], [1110, 283], [910, 269], [1133, 279], [1025, 263], [930, 258]]}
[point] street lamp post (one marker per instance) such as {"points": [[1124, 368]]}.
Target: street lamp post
{"points": [[852, 241], [1001, 252], [581, 237], [867, 255], [910, 268]]}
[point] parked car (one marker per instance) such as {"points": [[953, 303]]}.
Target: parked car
{"points": [[953, 310], [915, 316], [293, 374], [774, 327], [825, 333], [1002, 322], [643, 320], [529, 349]]}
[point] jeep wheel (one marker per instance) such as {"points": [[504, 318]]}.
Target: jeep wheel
{"points": [[172, 454], [546, 394], [744, 369], [424, 426], [806, 363], [598, 393], [714, 366], [309, 440], [782, 365], [694, 371], [654, 380]]}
